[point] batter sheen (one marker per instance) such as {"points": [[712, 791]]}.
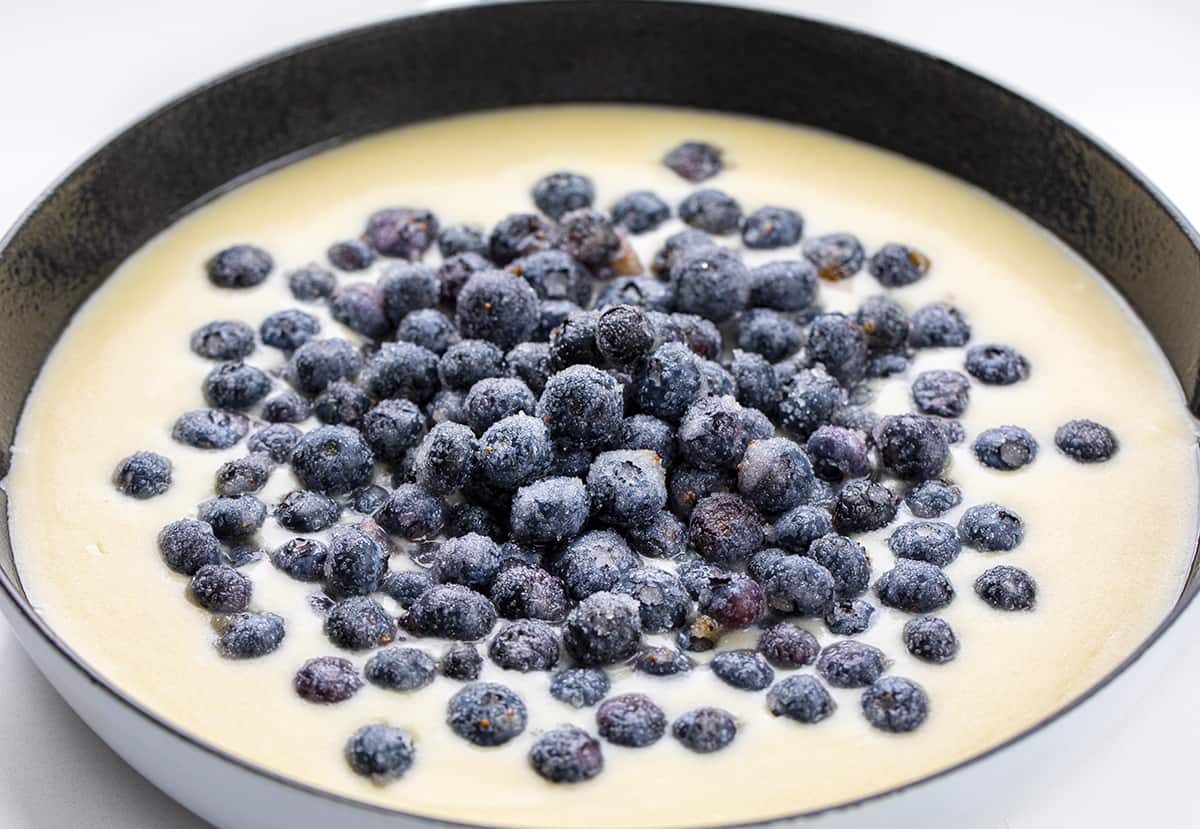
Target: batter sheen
{"points": [[1109, 543]]}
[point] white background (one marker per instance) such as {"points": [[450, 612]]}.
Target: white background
{"points": [[72, 72]]}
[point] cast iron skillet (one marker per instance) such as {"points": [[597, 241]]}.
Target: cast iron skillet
{"points": [[679, 54]]}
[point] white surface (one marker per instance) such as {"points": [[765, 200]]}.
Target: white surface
{"points": [[72, 73]]}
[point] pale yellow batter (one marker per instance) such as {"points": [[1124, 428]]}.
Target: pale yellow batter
{"points": [[1109, 544]]}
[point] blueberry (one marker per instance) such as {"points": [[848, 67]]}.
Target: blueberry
{"points": [[623, 334], [769, 333], [886, 364], [401, 369], [850, 664], [746, 670], [464, 518], [402, 232], [694, 160], [849, 618], [428, 328], [525, 645], [705, 632], [884, 323], [143, 475], [932, 541], [676, 246], [663, 603], [249, 635], [406, 586], [837, 342], [895, 704], [445, 458], [555, 275], [220, 588], [648, 432], [566, 755], [223, 340], [520, 234], [359, 307], [796, 585], [626, 487], [711, 282], [467, 362], [912, 447], [593, 562], [400, 669], [359, 623], [896, 265], [355, 562], [486, 714], [670, 382], [514, 451], [640, 211], [233, 519], [631, 720], [1007, 588], [930, 639], [785, 285], [836, 256], [1086, 441], [412, 512], [461, 661], [788, 646], [549, 511], [662, 661], [392, 427], [942, 393], [990, 528], [311, 283], [526, 592], [1005, 448], [847, 562], [801, 698], [495, 398], [688, 485], [663, 536], [317, 363], [725, 529], [858, 418], [705, 730], [350, 255], [996, 365], [380, 752], [302, 511], [573, 341], [579, 687], [863, 505], [301, 558], [931, 499], [757, 384], [289, 329], [809, 401], [561, 192], [471, 560], [602, 629], [334, 460], [914, 587], [239, 266], [838, 453], [588, 235], [582, 407], [451, 611], [342, 403], [326, 680], [497, 306], [453, 240], [642, 291], [938, 325], [772, 227], [732, 600], [712, 211], [797, 529], [530, 362], [235, 386], [287, 407], [775, 475], [756, 426], [569, 463], [276, 441]]}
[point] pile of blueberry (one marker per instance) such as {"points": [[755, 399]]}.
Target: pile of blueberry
{"points": [[539, 422]]}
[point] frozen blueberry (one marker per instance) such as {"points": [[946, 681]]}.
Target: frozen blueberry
{"points": [[670, 382], [859, 418], [895, 704], [287, 407], [402, 232], [640, 211], [406, 289], [849, 618], [143, 475], [566, 755], [359, 623], [555, 275], [220, 588], [573, 341], [342, 403], [412, 512], [451, 611], [593, 562], [406, 586], [235, 386], [809, 401], [486, 714], [799, 586], [428, 328], [317, 363], [1086, 441], [326, 680], [838, 453], [579, 687], [847, 562], [648, 432], [631, 720], [495, 398], [850, 664], [445, 458], [772, 227], [884, 323], [823, 495], [334, 460], [787, 285], [710, 434], [746, 670], [704, 632], [401, 369], [931, 499], [912, 447], [400, 669], [931, 541], [769, 333], [663, 536], [471, 560], [515, 451], [461, 661], [446, 407], [497, 306], [302, 511], [797, 529], [623, 334], [788, 646], [896, 265], [602, 629], [1007, 588], [549, 511], [582, 407], [694, 160], [455, 239], [355, 562], [732, 600], [289, 329], [561, 192], [990, 528], [526, 592], [663, 602], [530, 363], [467, 362], [569, 463], [662, 661], [233, 519], [705, 730], [392, 427], [520, 234], [249, 635], [886, 364], [301, 558], [942, 393], [464, 518], [836, 342], [712, 211], [380, 752], [359, 307], [938, 325], [525, 645], [863, 505], [676, 246], [836, 256], [914, 587], [642, 291], [725, 529], [775, 475], [311, 283], [996, 365], [711, 282], [931, 639], [239, 266], [1005, 448], [757, 384], [589, 236], [223, 340], [687, 485], [755, 425], [800, 698], [350, 255]]}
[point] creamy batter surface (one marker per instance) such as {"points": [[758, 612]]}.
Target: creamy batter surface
{"points": [[1109, 544]]}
